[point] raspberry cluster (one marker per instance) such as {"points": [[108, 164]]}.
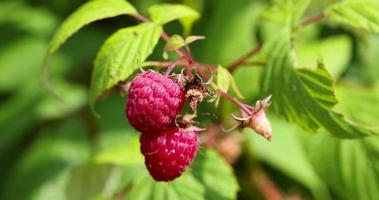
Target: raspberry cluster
{"points": [[154, 101]]}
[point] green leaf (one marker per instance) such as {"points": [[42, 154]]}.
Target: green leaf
{"points": [[125, 154], [305, 96], [46, 163], [165, 13], [215, 175], [286, 153], [350, 168], [93, 181], [175, 42], [120, 55], [336, 64], [225, 80], [89, 12], [185, 188], [363, 15], [287, 11]]}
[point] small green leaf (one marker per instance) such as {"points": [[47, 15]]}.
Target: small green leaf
{"points": [[362, 15], [175, 42], [305, 96], [165, 13], [193, 38], [225, 80], [120, 55], [89, 12]]}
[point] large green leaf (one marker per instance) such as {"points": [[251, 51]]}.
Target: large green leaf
{"points": [[165, 13], [350, 168], [89, 12], [120, 55], [305, 96], [215, 175], [183, 188], [287, 11], [359, 14]]}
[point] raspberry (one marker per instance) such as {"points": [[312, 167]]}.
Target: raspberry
{"points": [[168, 153], [153, 102]]}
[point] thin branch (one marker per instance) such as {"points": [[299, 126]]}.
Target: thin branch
{"points": [[243, 58], [157, 64], [242, 106], [313, 19]]}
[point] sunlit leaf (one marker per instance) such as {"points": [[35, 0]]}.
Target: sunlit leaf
{"points": [[120, 56], [363, 15], [89, 12], [175, 42], [165, 13]]}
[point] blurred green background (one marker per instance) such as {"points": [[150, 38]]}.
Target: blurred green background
{"points": [[48, 147]]}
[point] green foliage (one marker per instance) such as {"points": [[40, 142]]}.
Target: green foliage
{"points": [[56, 149], [225, 80], [165, 13], [177, 42], [362, 15], [336, 64], [293, 161], [288, 12], [357, 174], [115, 63], [87, 13], [305, 96]]}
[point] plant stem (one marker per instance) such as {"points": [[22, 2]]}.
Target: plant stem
{"points": [[243, 58], [313, 19], [242, 106]]}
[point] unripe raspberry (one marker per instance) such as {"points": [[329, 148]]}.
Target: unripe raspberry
{"points": [[168, 154], [260, 123], [153, 102]]}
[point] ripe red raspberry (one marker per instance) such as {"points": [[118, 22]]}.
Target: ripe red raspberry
{"points": [[153, 102], [168, 153]]}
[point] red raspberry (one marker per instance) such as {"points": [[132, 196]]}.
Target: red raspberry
{"points": [[168, 153], [153, 102]]}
